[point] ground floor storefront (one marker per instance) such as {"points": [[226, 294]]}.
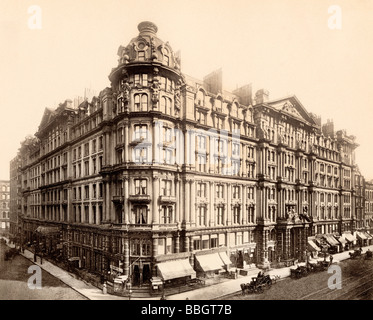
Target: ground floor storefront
{"points": [[137, 258]]}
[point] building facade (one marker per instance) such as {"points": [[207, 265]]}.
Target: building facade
{"points": [[368, 217], [162, 167], [4, 206]]}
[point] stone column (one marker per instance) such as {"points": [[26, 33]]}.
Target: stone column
{"points": [[191, 248], [210, 197], [155, 253], [126, 256], [287, 244], [125, 201], [177, 244], [155, 211], [177, 204], [126, 143], [187, 201], [186, 244], [192, 202]]}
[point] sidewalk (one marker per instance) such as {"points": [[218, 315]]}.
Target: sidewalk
{"points": [[232, 286], [85, 289], [205, 293]]}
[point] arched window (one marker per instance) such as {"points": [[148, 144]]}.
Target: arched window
{"points": [[200, 98], [166, 105], [166, 57], [141, 102], [218, 105]]}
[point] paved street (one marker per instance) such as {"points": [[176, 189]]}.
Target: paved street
{"points": [[14, 277], [57, 284], [357, 284]]}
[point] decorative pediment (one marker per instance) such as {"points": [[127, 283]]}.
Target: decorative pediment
{"points": [[293, 107], [288, 107]]}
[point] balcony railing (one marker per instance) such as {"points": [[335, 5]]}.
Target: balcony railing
{"points": [[139, 198]]}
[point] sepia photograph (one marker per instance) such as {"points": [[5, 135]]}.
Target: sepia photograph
{"points": [[207, 151]]}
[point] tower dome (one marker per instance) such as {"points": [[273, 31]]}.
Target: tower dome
{"points": [[148, 48]]}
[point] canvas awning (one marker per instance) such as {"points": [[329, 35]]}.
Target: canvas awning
{"points": [[175, 269], [349, 237], [210, 262], [361, 235], [47, 230], [312, 246], [331, 240], [223, 256], [121, 279], [367, 235], [342, 240]]}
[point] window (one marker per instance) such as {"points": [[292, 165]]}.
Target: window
{"points": [[86, 192], [141, 215], [201, 163], [201, 216], [141, 55], [141, 102], [219, 191], [235, 192], [250, 193], [166, 84], [166, 187], [141, 132], [236, 215], [220, 215], [167, 214], [166, 105], [167, 134], [141, 79], [201, 189], [140, 186], [141, 155]]}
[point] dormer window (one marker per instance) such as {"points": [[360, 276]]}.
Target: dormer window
{"points": [[141, 55], [166, 57]]}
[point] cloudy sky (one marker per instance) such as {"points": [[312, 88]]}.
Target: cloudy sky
{"points": [[285, 46]]}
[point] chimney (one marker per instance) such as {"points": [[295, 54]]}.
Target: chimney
{"points": [[244, 94], [261, 96], [328, 128], [213, 82]]}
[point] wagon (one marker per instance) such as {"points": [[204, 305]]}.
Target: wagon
{"points": [[9, 254], [257, 285], [355, 254]]}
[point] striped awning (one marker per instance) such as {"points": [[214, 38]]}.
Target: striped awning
{"points": [[361, 235], [349, 237], [312, 246], [331, 240], [176, 269]]}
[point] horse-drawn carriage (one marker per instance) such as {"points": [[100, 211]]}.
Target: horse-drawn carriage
{"points": [[10, 254], [355, 254], [368, 255], [257, 285], [300, 271]]}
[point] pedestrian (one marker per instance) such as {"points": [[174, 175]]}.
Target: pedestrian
{"points": [[331, 259]]}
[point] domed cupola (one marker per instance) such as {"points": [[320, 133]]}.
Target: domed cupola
{"points": [[148, 48]]}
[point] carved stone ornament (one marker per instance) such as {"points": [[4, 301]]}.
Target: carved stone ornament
{"points": [[155, 92]]}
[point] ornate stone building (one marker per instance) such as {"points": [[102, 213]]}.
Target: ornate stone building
{"points": [[4, 206], [162, 167]]}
